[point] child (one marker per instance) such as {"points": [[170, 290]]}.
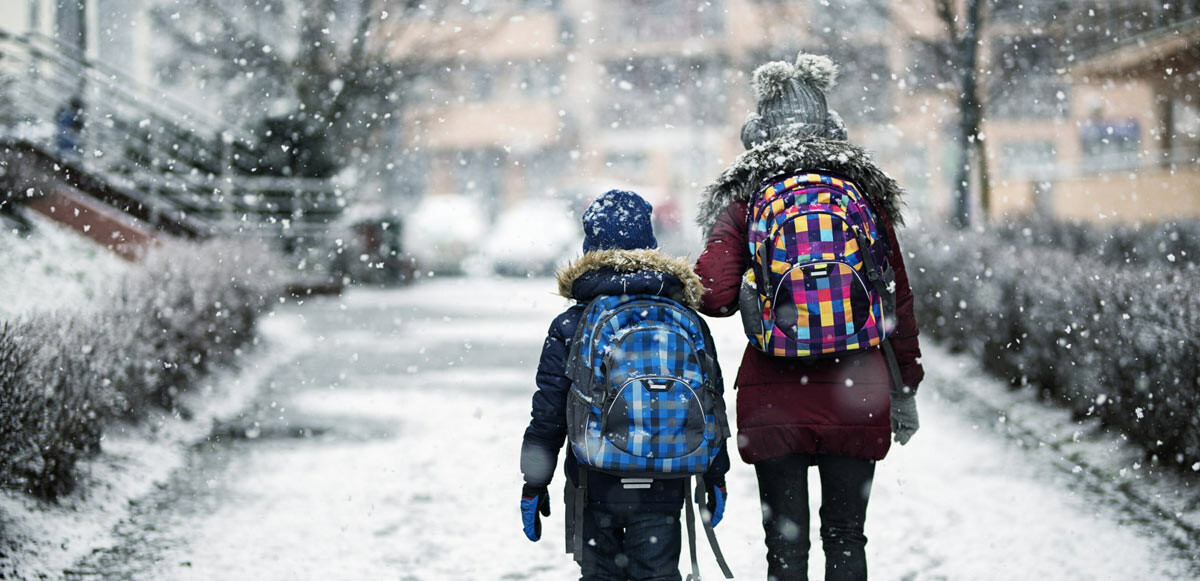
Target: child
{"points": [[630, 526]]}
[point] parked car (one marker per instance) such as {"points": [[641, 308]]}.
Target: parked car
{"points": [[373, 253], [532, 237], [443, 231]]}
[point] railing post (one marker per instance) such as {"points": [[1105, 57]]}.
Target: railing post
{"points": [[229, 218]]}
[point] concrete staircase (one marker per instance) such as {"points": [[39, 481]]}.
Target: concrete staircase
{"points": [[124, 164]]}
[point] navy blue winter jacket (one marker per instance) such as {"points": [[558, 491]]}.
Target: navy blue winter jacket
{"points": [[607, 272]]}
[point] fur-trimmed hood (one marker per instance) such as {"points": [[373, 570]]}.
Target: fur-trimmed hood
{"points": [[646, 268], [786, 155]]}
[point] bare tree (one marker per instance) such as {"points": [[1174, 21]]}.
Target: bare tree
{"points": [[339, 71], [954, 47], [962, 28]]}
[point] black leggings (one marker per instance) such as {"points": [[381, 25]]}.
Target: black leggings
{"points": [[845, 488]]}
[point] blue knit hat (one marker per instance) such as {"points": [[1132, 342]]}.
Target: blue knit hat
{"points": [[618, 220]]}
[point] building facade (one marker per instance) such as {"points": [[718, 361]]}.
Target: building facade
{"points": [[1091, 108], [570, 97], [1121, 139]]}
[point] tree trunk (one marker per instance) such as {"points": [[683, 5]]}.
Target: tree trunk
{"points": [[985, 182], [969, 116]]}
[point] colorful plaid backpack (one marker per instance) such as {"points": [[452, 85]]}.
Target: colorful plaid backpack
{"points": [[644, 399], [820, 284]]}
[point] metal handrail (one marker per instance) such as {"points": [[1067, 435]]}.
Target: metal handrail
{"points": [[163, 104], [175, 155]]}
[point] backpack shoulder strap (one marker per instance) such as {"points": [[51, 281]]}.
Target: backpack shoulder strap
{"points": [[579, 498], [873, 275], [691, 531], [701, 501], [578, 371]]}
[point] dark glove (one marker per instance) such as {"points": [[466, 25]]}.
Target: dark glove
{"points": [[714, 506], [534, 499], [904, 417]]}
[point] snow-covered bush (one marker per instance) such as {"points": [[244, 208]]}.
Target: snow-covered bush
{"points": [[63, 375], [188, 308], [1169, 244], [1108, 340], [22, 404], [52, 399]]}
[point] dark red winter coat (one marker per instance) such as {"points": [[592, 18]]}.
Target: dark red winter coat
{"points": [[838, 406]]}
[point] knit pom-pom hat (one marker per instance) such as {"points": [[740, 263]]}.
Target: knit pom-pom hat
{"points": [[791, 100]]}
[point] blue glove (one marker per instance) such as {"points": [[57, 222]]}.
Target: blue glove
{"points": [[534, 499], [715, 504]]}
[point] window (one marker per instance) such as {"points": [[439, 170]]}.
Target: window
{"points": [[478, 83], [1032, 11], [540, 79], [1110, 145], [863, 93], [658, 20], [931, 64], [626, 166], [657, 91], [1025, 84], [541, 4], [1028, 158], [851, 17], [546, 171], [914, 160], [1183, 135], [478, 173]]}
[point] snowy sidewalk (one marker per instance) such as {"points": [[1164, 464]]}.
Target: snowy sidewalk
{"points": [[419, 398]]}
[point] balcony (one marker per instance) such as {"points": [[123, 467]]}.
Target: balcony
{"points": [[1127, 33]]}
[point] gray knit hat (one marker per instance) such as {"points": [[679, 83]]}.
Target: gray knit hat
{"points": [[791, 101]]}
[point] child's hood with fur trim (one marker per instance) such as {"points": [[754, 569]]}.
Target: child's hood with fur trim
{"points": [[625, 262]]}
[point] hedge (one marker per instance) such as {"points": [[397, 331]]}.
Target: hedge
{"points": [[66, 375], [1104, 337], [1173, 244]]}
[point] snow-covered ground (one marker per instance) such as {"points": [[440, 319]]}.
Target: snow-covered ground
{"points": [[40, 539], [388, 448], [52, 267]]}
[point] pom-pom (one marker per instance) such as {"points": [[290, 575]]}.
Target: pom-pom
{"points": [[770, 79], [816, 70]]}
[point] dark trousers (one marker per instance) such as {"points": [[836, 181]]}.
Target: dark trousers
{"points": [[630, 546], [845, 488]]}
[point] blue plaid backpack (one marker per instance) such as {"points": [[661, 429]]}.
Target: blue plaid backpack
{"points": [[645, 402], [644, 399]]}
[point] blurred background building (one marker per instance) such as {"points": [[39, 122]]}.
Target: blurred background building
{"points": [[1089, 109]]}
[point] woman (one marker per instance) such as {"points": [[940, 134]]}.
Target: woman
{"points": [[829, 412]]}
